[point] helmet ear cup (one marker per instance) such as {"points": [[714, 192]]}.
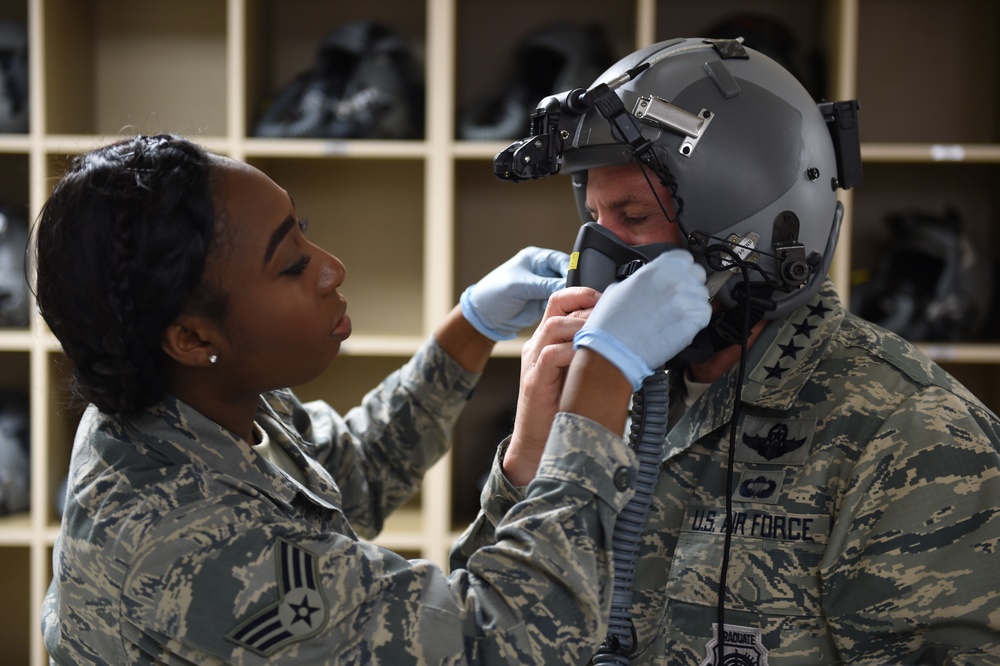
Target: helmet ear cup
{"points": [[929, 283], [367, 82]]}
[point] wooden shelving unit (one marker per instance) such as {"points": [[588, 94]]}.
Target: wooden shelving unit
{"points": [[416, 221]]}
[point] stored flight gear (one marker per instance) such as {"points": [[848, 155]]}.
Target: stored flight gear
{"points": [[367, 83], [929, 283], [15, 456], [13, 77], [13, 290], [552, 58]]}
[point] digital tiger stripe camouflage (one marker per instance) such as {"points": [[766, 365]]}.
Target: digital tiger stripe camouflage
{"points": [[866, 513], [182, 545]]}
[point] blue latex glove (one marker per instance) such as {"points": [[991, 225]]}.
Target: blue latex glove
{"points": [[644, 321], [513, 295]]}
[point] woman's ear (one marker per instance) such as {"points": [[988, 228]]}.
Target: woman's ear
{"points": [[186, 340]]}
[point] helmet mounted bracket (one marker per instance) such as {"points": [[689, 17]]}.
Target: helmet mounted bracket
{"points": [[662, 113]]}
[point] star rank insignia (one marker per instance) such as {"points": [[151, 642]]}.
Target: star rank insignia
{"points": [[804, 329], [301, 612], [818, 310], [775, 371], [790, 350]]}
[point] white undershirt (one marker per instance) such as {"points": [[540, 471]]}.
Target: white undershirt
{"points": [[694, 389], [276, 455]]}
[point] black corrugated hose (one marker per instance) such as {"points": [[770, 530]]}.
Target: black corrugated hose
{"points": [[648, 432]]}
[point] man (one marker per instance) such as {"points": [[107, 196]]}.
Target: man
{"points": [[825, 493]]}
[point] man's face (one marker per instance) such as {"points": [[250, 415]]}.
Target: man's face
{"points": [[619, 198]]}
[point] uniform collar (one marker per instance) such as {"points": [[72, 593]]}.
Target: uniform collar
{"points": [[778, 365], [179, 432], [787, 352]]}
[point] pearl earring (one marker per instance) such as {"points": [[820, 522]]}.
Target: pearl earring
{"points": [[213, 358]]}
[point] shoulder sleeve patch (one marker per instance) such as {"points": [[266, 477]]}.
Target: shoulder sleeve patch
{"points": [[301, 612]]}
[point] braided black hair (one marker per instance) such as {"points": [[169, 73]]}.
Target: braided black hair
{"points": [[121, 250]]}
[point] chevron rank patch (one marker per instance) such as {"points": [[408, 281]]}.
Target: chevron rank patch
{"points": [[300, 613]]}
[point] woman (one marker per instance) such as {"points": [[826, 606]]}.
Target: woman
{"points": [[213, 518]]}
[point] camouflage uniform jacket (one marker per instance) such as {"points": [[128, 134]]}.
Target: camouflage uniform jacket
{"points": [[866, 509], [181, 545]]}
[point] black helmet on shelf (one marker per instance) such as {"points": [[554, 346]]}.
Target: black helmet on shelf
{"points": [[367, 83], [15, 454], [551, 58], [754, 160], [929, 283], [13, 77], [13, 289]]}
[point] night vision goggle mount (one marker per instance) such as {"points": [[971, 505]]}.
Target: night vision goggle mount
{"points": [[540, 154]]}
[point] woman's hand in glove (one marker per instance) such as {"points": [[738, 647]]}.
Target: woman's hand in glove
{"points": [[513, 295]]}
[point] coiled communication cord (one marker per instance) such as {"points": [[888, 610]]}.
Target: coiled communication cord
{"points": [[647, 434]]}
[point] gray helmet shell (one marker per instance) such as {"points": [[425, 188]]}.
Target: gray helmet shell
{"points": [[766, 151]]}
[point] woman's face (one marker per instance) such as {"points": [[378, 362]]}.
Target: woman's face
{"points": [[286, 319]]}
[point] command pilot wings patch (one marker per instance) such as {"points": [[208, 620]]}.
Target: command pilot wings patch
{"points": [[777, 441], [301, 612]]}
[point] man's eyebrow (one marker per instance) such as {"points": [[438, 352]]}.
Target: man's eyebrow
{"points": [[624, 200], [276, 237], [616, 205]]}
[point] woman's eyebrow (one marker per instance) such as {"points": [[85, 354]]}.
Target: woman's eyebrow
{"points": [[279, 233]]}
